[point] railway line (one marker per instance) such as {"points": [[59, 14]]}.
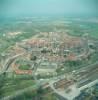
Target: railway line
{"points": [[84, 78]]}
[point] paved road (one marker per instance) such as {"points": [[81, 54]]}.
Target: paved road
{"points": [[9, 62]]}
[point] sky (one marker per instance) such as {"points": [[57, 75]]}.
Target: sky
{"points": [[50, 7]]}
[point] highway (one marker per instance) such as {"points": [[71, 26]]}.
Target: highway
{"points": [[9, 62]]}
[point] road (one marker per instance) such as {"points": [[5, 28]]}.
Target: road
{"points": [[9, 62]]}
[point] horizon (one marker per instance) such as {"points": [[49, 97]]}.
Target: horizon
{"points": [[13, 8]]}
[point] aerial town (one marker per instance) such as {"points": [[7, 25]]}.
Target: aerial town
{"points": [[57, 62], [48, 49]]}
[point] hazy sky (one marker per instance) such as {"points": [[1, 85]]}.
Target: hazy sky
{"points": [[32, 7]]}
